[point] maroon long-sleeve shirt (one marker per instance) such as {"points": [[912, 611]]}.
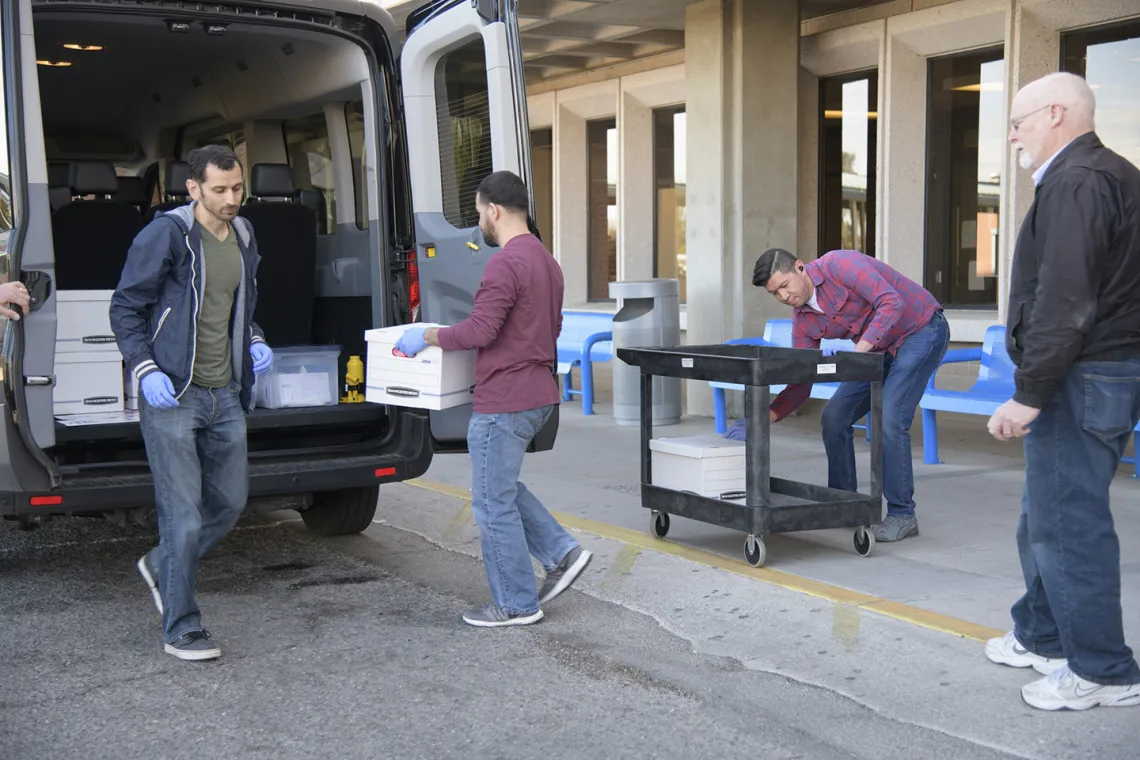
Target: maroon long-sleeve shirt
{"points": [[514, 326]]}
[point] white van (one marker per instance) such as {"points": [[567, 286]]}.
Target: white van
{"points": [[361, 165]]}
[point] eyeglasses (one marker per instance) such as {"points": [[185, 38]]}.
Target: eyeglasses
{"points": [[1016, 123]]}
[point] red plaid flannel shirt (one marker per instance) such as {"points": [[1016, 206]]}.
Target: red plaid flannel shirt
{"points": [[862, 299]]}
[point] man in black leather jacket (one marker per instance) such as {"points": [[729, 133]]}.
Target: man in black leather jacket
{"points": [[1074, 334]]}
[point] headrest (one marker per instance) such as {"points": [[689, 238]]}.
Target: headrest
{"points": [[59, 174], [309, 198], [132, 190], [271, 181], [177, 174], [93, 178]]}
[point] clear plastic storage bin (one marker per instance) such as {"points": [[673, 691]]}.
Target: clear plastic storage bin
{"points": [[301, 376]]}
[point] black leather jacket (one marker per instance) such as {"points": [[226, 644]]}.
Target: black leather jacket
{"points": [[1075, 284]]}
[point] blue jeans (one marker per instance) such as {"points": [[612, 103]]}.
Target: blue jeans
{"points": [[906, 375], [1070, 554], [513, 524], [197, 455]]}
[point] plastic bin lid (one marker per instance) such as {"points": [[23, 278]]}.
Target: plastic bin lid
{"points": [[699, 446], [286, 350]]}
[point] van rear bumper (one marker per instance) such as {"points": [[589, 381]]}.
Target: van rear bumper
{"points": [[279, 476]]}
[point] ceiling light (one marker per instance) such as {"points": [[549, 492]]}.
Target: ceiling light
{"points": [[55, 64], [980, 87], [830, 114], [83, 48]]}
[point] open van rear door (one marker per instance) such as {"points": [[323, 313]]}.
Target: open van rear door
{"points": [[26, 253], [465, 113]]}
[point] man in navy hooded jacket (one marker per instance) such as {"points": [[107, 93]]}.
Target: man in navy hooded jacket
{"points": [[183, 319]]}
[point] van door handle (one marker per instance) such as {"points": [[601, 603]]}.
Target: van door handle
{"points": [[39, 288]]}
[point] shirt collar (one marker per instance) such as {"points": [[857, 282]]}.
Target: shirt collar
{"points": [[1040, 173]]}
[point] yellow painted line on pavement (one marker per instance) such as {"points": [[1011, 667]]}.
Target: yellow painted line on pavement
{"points": [[896, 610]]}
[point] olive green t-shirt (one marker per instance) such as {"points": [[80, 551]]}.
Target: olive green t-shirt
{"points": [[222, 261]]}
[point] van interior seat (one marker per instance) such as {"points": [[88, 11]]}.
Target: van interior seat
{"points": [[177, 174], [286, 233], [59, 184], [132, 190], [92, 237]]}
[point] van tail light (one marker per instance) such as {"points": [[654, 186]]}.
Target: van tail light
{"points": [[46, 501], [385, 472], [414, 286]]}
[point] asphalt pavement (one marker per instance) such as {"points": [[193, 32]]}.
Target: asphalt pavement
{"points": [[353, 648]]}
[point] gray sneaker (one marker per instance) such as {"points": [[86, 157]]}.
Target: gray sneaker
{"points": [[896, 528], [149, 573], [562, 577], [493, 617], [194, 646]]}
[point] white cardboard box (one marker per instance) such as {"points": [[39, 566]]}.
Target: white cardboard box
{"points": [[433, 379], [83, 321], [91, 381], [707, 465]]}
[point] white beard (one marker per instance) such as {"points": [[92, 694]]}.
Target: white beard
{"points": [[1024, 160]]}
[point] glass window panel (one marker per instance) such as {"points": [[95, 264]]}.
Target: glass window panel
{"points": [[966, 134], [669, 201], [1109, 58], [602, 219], [848, 147]]}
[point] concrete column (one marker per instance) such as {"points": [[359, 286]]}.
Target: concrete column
{"points": [[570, 192], [742, 80], [1032, 51], [635, 194], [901, 197]]}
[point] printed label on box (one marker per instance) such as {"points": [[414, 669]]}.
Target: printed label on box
{"points": [[825, 369], [304, 388]]}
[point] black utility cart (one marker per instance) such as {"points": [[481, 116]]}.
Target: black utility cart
{"points": [[771, 505]]}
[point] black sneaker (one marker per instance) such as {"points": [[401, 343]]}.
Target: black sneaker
{"points": [[150, 574], [493, 617], [194, 646], [560, 578]]}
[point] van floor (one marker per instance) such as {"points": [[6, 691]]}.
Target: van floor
{"points": [[257, 420]]}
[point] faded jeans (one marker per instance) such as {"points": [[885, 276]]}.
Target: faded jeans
{"points": [[906, 374], [1070, 554], [197, 455], [513, 523]]}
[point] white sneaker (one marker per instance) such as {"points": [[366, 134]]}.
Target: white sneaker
{"points": [[1008, 651], [1065, 690]]}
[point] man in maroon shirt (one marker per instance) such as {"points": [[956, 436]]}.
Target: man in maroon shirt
{"points": [[847, 294], [514, 326]]}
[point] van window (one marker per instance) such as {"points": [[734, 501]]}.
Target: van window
{"points": [[464, 130], [310, 158], [7, 214], [354, 116]]}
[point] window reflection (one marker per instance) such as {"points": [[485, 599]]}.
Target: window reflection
{"points": [[603, 211], [542, 168], [848, 140], [1109, 58], [966, 134], [669, 171]]}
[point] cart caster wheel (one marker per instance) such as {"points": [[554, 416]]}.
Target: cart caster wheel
{"points": [[754, 551], [660, 525], [864, 542]]}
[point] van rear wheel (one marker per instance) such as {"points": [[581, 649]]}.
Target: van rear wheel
{"points": [[343, 512]]}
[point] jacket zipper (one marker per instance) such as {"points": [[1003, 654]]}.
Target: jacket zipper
{"points": [[197, 303], [161, 320]]}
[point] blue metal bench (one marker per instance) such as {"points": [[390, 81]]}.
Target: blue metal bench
{"points": [[777, 332], [585, 338], [993, 388]]}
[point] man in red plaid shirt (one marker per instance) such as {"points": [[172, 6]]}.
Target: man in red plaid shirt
{"points": [[849, 295]]}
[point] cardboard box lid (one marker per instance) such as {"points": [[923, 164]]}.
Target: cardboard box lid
{"points": [[392, 334], [699, 446]]}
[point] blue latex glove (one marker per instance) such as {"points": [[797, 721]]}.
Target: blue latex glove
{"points": [[262, 358], [830, 351], [158, 391], [737, 431], [412, 341]]}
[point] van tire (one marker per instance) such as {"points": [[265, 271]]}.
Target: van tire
{"points": [[343, 512]]}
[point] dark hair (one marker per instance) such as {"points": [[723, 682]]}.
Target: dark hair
{"points": [[210, 155], [772, 261], [505, 189]]}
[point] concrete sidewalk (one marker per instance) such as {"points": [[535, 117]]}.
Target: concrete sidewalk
{"points": [[963, 565]]}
